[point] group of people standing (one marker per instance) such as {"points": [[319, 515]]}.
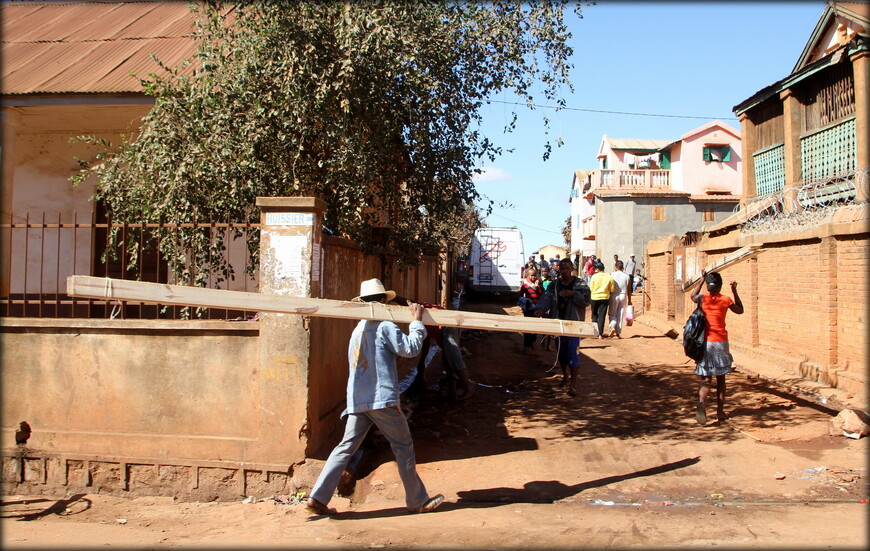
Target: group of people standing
{"points": [[565, 295], [610, 293]]}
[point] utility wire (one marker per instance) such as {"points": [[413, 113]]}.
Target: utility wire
{"points": [[607, 112], [524, 224]]}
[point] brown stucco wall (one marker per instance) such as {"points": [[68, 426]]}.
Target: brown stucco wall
{"points": [[101, 395], [190, 409]]}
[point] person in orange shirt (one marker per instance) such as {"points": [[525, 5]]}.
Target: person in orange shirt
{"points": [[717, 358]]}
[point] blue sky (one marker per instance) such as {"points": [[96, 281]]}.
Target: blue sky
{"points": [[684, 59]]}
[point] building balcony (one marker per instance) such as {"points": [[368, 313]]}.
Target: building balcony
{"points": [[628, 180], [587, 228]]}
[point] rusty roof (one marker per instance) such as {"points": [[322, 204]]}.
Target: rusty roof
{"points": [[89, 46]]}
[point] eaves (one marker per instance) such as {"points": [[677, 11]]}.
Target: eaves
{"points": [[859, 44], [714, 199], [605, 193]]}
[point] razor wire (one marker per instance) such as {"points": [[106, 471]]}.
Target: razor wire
{"points": [[807, 205]]}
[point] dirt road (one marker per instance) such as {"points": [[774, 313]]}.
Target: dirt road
{"points": [[524, 465]]}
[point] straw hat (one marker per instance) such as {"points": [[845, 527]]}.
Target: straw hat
{"points": [[373, 287]]}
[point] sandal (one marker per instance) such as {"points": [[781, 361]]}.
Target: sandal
{"points": [[318, 508], [430, 505], [572, 392], [700, 415]]}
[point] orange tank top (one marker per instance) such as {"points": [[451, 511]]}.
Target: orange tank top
{"points": [[715, 306]]}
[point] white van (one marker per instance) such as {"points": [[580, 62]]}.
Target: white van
{"points": [[497, 260]]}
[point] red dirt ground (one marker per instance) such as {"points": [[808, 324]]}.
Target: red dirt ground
{"points": [[524, 465]]}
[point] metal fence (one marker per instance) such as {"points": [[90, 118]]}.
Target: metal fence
{"points": [[41, 251], [804, 205]]}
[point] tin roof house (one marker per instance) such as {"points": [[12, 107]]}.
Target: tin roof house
{"points": [[70, 69]]}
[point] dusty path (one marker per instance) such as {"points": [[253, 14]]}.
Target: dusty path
{"points": [[523, 465]]}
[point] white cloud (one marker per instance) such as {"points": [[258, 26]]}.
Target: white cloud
{"points": [[492, 174]]}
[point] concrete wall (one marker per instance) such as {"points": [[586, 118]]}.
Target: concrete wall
{"points": [[697, 175], [199, 410], [626, 224], [103, 396], [805, 297]]}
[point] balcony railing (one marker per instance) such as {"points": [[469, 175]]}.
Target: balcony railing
{"points": [[631, 179]]}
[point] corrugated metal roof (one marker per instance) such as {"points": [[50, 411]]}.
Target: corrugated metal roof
{"points": [[631, 144], [82, 47]]}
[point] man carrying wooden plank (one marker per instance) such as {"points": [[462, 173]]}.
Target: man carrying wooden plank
{"points": [[373, 399]]}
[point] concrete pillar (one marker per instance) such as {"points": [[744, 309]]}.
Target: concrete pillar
{"points": [[290, 264], [10, 120], [828, 276], [861, 75], [792, 126], [750, 303]]}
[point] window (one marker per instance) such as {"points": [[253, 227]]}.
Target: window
{"points": [[717, 153], [666, 160], [658, 213], [709, 215]]}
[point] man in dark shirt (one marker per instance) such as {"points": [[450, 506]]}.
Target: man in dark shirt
{"points": [[566, 298]]}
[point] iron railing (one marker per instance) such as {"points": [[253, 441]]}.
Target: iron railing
{"points": [[41, 251]]}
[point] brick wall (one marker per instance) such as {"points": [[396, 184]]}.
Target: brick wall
{"points": [[852, 273], [805, 297]]}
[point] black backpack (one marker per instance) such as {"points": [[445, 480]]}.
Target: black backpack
{"points": [[695, 334]]}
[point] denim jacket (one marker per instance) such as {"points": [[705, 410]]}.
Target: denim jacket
{"points": [[371, 354]]}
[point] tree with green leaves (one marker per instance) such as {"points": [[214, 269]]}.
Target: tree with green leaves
{"points": [[566, 233], [372, 106]]}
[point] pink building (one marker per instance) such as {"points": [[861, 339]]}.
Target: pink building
{"points": [[644, 188]]}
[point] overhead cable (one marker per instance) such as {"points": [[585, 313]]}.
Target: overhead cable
{"points": [[556, 107]]}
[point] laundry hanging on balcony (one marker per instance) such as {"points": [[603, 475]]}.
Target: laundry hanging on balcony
{"points": [[643, 161]]}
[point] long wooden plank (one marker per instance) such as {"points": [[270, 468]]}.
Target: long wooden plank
{"points": [[158, 293], [741, 254]]}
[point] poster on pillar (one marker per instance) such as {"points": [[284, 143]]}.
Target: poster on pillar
{"points": [[291, 253]]}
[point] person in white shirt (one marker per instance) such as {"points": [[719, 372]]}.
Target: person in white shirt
{"points": [[630, 267], [619, 298]]}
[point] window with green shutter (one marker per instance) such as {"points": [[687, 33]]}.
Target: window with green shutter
{"points": [[717, 153], [666, 160]]}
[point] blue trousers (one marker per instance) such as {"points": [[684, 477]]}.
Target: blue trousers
{"points": [[393, 425]]}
